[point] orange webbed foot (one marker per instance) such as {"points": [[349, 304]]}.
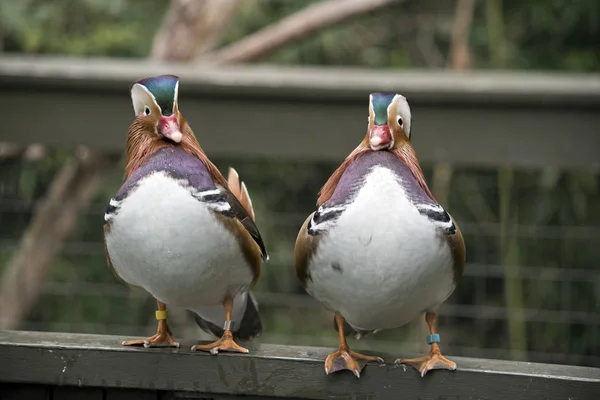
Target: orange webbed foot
{"points": [[226, 343], [346, 359], [427, 363], [435, 359], [160, 339]]}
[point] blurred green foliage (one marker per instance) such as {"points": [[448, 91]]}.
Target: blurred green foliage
{"points": [[545, 212], [540, 34], [121, 28]]}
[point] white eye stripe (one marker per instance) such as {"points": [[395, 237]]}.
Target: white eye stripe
{"points": [[403, 113], [141, 97]]}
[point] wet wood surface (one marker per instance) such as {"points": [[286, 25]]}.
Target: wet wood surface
{"points": [[58, 366]]}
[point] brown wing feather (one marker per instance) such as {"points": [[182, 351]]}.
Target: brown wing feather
{"points": [[243, 227], [246, 201], [233, 180], [304, 249], [240, 191], [458, 249]]}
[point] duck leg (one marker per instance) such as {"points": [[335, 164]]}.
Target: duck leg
{"points": [[344, 358], [226, 343], [163, 336], [435, 359]]}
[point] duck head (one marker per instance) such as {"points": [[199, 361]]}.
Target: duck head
{"points": [[389, 121], [156, 106]]}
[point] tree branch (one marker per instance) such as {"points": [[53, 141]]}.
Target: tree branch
{"points": [[190, 28], [460, 59], [460, 54], [296, 26]]}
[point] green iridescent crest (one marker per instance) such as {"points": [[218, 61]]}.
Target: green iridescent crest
{"points": [[164, 89], [380, 103]]}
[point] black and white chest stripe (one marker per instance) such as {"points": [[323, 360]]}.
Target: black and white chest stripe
{"points": [[112, 209], [437, 215], [213, 198], [324, 218]]}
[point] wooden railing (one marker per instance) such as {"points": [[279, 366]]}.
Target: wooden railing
{"points": [[477, 118], [58, 366]]}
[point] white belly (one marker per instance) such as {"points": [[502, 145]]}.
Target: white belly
{"points": [[383, 263], [170, 244]]}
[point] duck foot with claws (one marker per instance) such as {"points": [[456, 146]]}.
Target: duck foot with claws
{"points": [[344, 358], [435, 359], [226, 343], [163, 336]]}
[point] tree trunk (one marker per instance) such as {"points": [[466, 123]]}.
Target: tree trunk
{"points": [[191, 28], [459, 59], [70, 191], [460, 52]]}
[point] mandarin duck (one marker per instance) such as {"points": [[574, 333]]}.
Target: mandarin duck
{"points": [[177, 229], [379, 250]]}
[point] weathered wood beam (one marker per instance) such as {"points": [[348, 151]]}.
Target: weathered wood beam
{"points": [[272, 370], [474, 118]]}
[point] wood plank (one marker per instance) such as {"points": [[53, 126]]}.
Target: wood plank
{"points": [[9, 391], [308, 83], [473, 136], [273, 370], [476, 119]]}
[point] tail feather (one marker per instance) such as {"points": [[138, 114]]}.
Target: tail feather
{"points": [[240, 191], [245, 326], [251, 325], [208, 326]]}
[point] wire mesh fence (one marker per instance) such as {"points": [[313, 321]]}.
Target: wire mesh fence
{"points": [[540, 305]]}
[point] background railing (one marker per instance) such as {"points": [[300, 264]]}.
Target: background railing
{"points": [[514, 157]]}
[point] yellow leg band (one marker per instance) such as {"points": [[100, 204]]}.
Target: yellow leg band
{"points": [[161, 314]]}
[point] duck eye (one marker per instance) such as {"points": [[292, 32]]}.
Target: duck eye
{"points": [[147, 110], [400, 121]]}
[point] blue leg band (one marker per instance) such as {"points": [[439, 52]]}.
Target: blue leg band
{"points": [[433, 338]]}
